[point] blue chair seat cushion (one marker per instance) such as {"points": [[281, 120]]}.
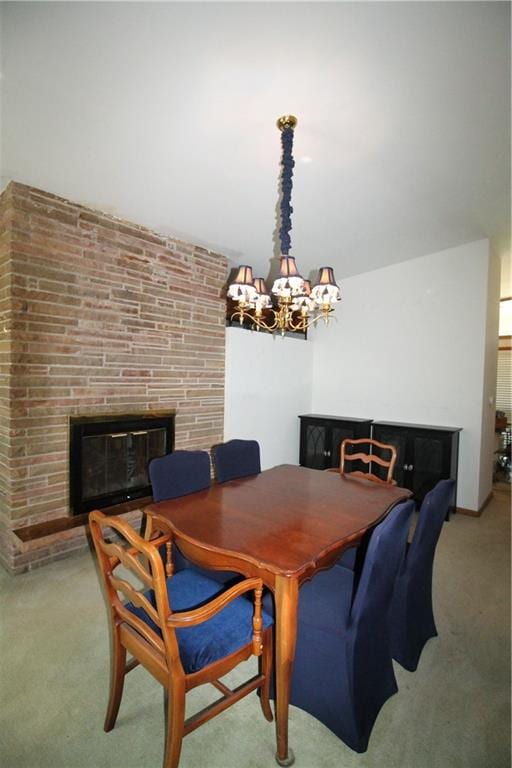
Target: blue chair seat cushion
{"points": [[180, 562], [224, 633]]}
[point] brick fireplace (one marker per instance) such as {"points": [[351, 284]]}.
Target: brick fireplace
{"points": [[97, 316]]}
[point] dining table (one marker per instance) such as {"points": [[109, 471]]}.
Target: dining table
{"points": [[281, 525]]}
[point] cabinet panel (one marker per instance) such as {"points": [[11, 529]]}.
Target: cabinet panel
{"points": [[315, 446], [397, 438], [338, 435], [426, 455], [321, 437], [428, 464]]}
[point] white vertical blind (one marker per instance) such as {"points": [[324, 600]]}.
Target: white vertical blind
{"points": [[504, 383]]}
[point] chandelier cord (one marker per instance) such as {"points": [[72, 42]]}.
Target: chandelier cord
{"points": [[286, 190]]}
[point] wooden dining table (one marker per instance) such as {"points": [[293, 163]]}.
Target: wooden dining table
{"points": [[282, 525]]}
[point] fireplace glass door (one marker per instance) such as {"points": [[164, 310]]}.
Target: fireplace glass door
{"points": [[109, 459]]}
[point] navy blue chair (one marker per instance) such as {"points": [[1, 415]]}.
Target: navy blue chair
{"points": [[343, 672], [236, 458], [411, 615], [178, 474], [348, 559]]}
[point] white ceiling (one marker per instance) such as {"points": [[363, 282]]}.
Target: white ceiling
{"points": [[165, 113]]}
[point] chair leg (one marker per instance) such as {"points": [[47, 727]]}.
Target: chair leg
{"points": [[175, 720], [117, 673], [266, 669]]}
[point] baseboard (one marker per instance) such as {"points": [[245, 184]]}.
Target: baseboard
{"points": [[475, 512]]}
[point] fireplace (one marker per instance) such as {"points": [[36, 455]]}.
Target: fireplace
{"points": [[109, 457]]}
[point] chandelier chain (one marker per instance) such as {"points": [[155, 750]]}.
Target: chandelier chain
{"points": [[288, 164]]}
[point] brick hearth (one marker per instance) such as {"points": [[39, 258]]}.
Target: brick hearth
{"points": [[97, 315]]}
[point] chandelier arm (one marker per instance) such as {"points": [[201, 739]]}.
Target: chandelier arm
{"points": [[258, 321], [282, 319], [304, 323]]}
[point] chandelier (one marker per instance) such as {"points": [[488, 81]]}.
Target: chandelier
{"points": [[293, 304]]}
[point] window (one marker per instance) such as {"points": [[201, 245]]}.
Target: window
{"points": [[504, 383], [504, 377], [505, 317]]}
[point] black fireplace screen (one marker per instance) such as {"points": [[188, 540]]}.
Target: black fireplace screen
{"points": [[109, 458]]}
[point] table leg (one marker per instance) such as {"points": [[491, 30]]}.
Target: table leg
{"points": [[286, 603]]}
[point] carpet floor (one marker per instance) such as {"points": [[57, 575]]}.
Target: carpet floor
{"points": [[454, 712]]}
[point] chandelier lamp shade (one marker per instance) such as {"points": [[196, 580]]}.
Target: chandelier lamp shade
{"points": [[293, 305]]}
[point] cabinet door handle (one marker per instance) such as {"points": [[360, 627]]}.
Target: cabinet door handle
{"points": [[405, 467], [411, 467]]}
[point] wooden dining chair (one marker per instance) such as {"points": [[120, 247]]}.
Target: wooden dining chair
{"points": [[182, 627], [236, 458], [347, 454], [372, 457]]}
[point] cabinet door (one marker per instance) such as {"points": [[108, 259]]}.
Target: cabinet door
{"points": [[400, 439], [339, 432], [430, 461], [321, 439], [313, 451]]}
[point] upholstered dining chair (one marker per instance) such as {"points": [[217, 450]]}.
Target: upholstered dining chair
{"points": [[411, 615], [343, 672], [182, 627], [236, 458], [178, 474]]}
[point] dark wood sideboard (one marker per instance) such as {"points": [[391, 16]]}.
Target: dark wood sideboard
{"points": [[425, 454]]}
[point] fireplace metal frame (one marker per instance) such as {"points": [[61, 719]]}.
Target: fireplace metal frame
{"points": [[83, 426]]}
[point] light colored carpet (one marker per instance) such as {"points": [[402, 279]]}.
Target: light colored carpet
{"points": [[454, 712]]}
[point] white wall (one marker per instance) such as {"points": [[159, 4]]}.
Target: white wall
{"points": [[410, 346], [490, 341], [268, 384]]}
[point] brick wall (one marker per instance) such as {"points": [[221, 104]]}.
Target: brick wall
{"points": [[97, 315]]}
